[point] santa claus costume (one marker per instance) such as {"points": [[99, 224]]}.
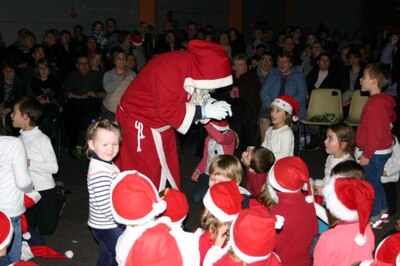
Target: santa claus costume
{"points": [[164, 97]]}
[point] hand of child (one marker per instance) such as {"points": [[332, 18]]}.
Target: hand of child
{"points": [[195, 175], [363, 160], [221, 235]]}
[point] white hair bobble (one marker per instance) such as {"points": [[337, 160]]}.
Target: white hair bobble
{"points": [[279, 221]]}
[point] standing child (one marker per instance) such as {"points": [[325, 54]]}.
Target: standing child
{"points": [[374, 137], [103, 139], [42, 164], [293, 243], [339, 144], [258, 161], [220, 140], [279, 138], [349, 201]]}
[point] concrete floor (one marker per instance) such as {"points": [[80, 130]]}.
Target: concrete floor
{"points": [[73, 234]]}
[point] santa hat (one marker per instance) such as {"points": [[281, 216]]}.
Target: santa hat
{"points": [[262, 235], [375, 263], [137, 40], [350, 200], [388, 250], [134, 199], [155, 247], [220, 125], [177, 205], [30, 200], [289, 105], [6, 230], [47, 252], [289, 175], [209, 67], [223, 200]]}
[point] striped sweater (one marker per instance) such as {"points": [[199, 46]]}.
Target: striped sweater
{"points": [[99, 178]]}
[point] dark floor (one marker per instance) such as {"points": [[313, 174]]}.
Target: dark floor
{"points": [[73, 234]]}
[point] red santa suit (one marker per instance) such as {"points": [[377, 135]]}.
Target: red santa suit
{"points": [[158, 102]]}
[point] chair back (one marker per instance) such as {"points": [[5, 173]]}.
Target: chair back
{"points": [[357, 104], [324, 101]]}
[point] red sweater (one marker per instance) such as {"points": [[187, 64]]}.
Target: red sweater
{"points": [[255, 182], [374, 131], [294, 240], [227, 260]]}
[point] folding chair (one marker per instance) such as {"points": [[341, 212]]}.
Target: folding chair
{"points": [[323, 102], [357, 104]]}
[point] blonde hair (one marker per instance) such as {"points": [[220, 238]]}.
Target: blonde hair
{"points": [[345, 135], [104, 124], [210, 223], [265, 197], [227, 165]]}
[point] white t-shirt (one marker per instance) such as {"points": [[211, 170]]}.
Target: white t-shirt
{"points": [[280, 141]]}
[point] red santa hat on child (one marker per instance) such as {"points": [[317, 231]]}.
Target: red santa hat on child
{"points": [[134, 199], [6, 230], [30, 200], [155, 247], [388, 250], [177, 205], [262, 235], [137, 40], [223, 200], [289, 175], [289, 105], [350, 200], [209, 67], [220, 125]]}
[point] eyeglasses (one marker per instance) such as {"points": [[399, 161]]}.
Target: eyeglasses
{"points": [[266, 59]]}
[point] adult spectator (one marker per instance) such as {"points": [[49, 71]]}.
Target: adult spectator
{"points": [[391, 56], [56, 56], [223, 40], [288, 47], [168, 43], [285, 80], [254, 42], [322, 75], [236, 41], [84, 91], [264, 67], [78, 41], [109, 39]]}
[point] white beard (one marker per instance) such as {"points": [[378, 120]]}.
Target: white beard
{"points": [[200, 97]]}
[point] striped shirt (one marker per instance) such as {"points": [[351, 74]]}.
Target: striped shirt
{"points": [[99, 178]]}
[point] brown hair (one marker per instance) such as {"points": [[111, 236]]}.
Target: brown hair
{"points": [[262, 160], [32, 107], [209, 222], [379, 72], [227, 165], [348, 168], [104, 124], [345, 135]]}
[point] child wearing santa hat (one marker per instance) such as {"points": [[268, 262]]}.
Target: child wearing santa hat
{"points": [[279, 137], [287, 178], [220, 140], [238, 251], [221, 203], [258, 161], [349, 202]]}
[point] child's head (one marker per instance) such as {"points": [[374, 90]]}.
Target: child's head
{"points": [[340, 140], [375, 75], [284, 110], [348, 168], [225, 167], [258, 159], [350, 200], [104, 138], [26, 112]]}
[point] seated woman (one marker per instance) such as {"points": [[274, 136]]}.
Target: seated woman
{"points": [[322, 75], [115, 82]]}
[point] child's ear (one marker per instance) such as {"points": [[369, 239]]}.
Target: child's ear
{"points": [[25, 116], [91, 144]]}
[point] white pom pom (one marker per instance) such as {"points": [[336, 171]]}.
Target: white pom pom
{"points": [[360, 239], [69, 254], [159, 207], [26, 236], [309, 199], [279, 222], [295, 118]]}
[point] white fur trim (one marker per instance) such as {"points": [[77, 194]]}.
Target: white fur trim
{"points": [[309, 199], [26, 236], [69, 254], [398, 260], [188, 119], [206, 84], [215, 210], [360, 239], [321, 213], [280, 220], [26, 252], [284, 105], [295, 118], [225, 128], [34, 195], [366, 263], [334, 205], [272, 181], [158, 207]]}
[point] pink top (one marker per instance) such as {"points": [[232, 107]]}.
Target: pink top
{"points": [[337, 247]]}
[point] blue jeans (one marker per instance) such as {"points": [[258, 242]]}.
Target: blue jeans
{"points": [[14, 253], [373, 172], [107, 239]]}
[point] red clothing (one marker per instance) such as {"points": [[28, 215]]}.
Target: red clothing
{"points": [[228, 260], [294, 240], [255, 204], [205, 243], [255, 182], [373, 132], [337, 247], [227, 139]]}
